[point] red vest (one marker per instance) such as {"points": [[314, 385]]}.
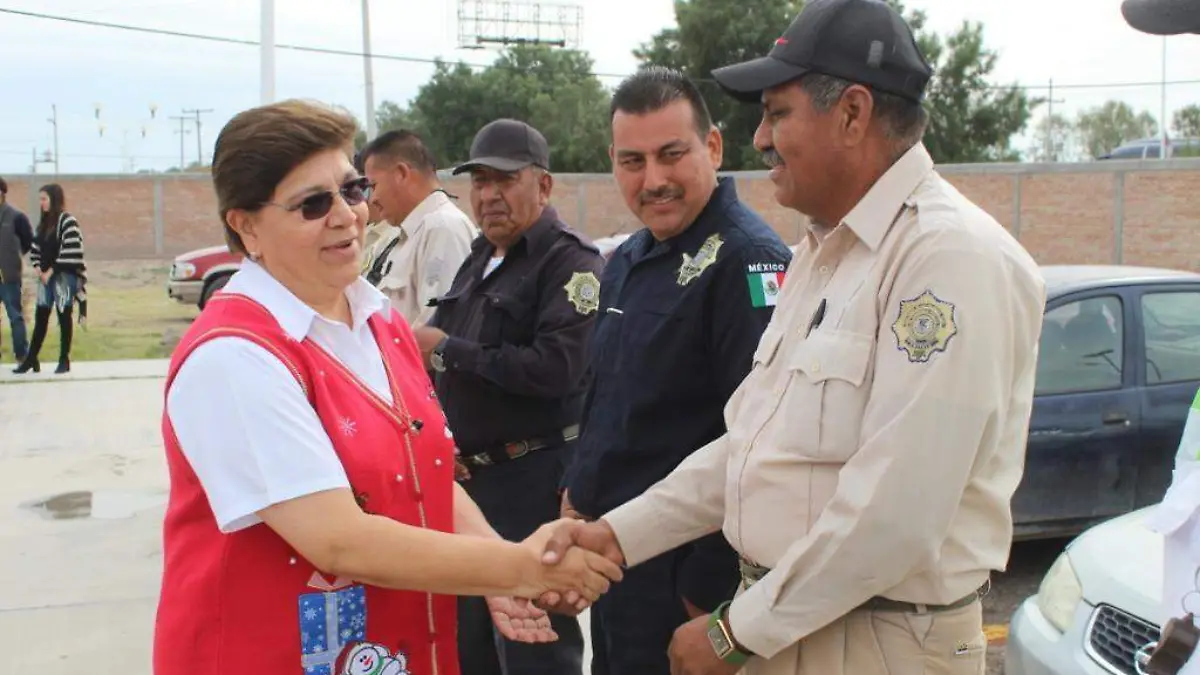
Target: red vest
{"points": [[247, 602]]}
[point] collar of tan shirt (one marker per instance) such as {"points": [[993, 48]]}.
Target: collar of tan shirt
{"points": [[295, 317], [434, 201], [876, 211]]}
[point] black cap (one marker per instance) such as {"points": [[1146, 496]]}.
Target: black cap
{"points": [[507, 145], [1162, 17], [863, 41]]}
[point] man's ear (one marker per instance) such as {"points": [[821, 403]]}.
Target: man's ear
{"points": [[856, 106], [545, 187]]}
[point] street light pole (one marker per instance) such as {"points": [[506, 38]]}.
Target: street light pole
{"points": [[370, 80], [267, 53], [1162, 152]]}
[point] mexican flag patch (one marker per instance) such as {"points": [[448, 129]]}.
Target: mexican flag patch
{"points": [[764, 288]]}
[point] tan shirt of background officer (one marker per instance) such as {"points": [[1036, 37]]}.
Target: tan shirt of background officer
{"points": [[874, 447], [432, 236]]}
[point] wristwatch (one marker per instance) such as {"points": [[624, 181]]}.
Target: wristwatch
{"points": [[437, 356], [721, 638]]}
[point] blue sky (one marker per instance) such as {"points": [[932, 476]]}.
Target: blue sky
{"points": [[77, 67]]}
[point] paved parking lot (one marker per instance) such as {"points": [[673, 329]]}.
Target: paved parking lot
{"points": [[81, 507]]}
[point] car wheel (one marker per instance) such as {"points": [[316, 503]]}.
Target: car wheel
{"points": [[215, 284]]}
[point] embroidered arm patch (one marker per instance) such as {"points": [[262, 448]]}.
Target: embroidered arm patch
{"points": [[924, 326], [583, 291], [766, 281]]}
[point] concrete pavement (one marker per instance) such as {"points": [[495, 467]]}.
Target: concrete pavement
{"points": [[81, 507]]}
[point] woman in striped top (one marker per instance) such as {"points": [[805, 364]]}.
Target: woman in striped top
{"points": [[58, 257]]}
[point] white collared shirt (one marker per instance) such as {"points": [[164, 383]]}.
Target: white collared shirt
{"points": [[242, 420], [435, 240]]}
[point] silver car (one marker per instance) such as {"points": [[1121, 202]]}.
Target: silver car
{"points": [[1098, 607]]}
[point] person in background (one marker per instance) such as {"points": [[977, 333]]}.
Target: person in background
{"points": [[378, 229], [57, 254], [313, 519], [16, 240], [433, 237], [1177, 517], [683, 304], [509, 346], [872, 454]]}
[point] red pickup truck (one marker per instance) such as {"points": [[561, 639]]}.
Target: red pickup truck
{"points": [[196, 275]]}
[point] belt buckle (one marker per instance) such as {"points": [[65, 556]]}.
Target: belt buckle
{"points": [[518, 449]]}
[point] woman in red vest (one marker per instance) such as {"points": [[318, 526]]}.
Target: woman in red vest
{"points": [[314, 524]]}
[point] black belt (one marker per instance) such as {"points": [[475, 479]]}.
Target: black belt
{"points": [[511, 451], [752, 573]]}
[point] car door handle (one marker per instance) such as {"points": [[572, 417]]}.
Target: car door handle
{"points": [[1115, 419]]}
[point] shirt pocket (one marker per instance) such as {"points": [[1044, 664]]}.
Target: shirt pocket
{"points": [[508, 319], [821, 413]]}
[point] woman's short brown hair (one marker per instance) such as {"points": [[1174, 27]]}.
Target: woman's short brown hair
{"points": [[259, 147]]}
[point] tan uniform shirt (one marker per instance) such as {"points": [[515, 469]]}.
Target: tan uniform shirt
{"points": [[877, 454], [435, 239]]}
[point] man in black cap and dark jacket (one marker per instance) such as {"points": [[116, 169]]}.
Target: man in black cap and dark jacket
{"points": [[508, 345]]}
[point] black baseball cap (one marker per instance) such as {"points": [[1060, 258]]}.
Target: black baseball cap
{"points": [[507, 145], [1162, 17], [863, 41]]}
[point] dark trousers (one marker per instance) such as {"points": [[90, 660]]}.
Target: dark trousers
{"points": [[10, 298], [633, 623], [517, 497]]}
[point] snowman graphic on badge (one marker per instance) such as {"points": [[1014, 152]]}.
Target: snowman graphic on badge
{"points": [[367, 658]]}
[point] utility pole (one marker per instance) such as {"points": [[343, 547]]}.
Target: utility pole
{"points": [[182, 131], [199, 144], [1051, 151], [267, 51], [53, 120], [1162, 154], [370, 80]]}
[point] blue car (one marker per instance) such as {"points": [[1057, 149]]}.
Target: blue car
{"points": [[1118, 367]]}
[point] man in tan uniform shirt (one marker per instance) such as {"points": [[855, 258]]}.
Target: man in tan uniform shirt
{"points": [[416, 260], [873, 450]]}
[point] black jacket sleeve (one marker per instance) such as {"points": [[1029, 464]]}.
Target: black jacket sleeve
{"points": [[556, 361], [24, 233], [709, 575]]}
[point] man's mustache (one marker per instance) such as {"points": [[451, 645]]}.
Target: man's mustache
{"points": [[668, 192], [771, 158]]}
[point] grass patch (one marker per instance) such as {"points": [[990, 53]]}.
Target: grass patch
{"points": [[129, 316]]}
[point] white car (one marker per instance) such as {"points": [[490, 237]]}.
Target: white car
{"points": [[1098, 606]]}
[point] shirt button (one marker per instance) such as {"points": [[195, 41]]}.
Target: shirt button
{"points": [[321, 373], [396, 340], [399, 478], [437, 462], [291, 561], [824, 269], [816, 366]]}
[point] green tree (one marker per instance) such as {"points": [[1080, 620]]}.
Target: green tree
{"points": [[552, 89], [1104, 128], [1054, 140], [1186, 121], [971, 120]]}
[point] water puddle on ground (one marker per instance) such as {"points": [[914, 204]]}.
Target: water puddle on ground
{"points": [[98, 505]]}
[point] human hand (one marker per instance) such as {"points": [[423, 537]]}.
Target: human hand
{"points": [[461, 472], [519, 620], [577, 574], [691, 652], [428, 338], [597, 536]]}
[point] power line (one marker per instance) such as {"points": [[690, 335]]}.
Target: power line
{"points": [[427, 60]]}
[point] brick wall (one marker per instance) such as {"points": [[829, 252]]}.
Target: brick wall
{"points": [[1132, 212]]}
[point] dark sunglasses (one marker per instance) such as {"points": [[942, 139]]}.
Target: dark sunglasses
{"points": [[318, 205]]}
